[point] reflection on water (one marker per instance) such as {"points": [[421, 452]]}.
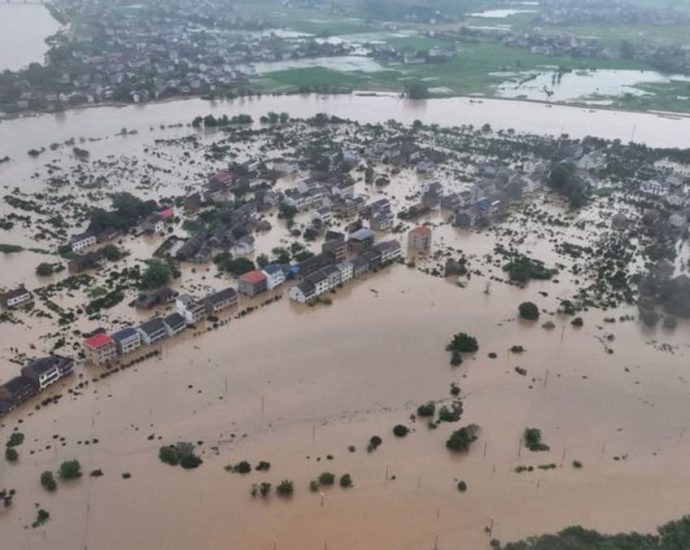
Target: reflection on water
{"points": [[23, 29], [552, 86], [498, 14]]}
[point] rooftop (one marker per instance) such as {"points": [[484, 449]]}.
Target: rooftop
{"points": [[98, 341], [124, 334], [253, 277], [362, 234], [422, 230]]}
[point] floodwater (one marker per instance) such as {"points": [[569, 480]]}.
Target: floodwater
{"points": [[499, 14], [581, 85], [346, 63], [23, 30], [291, 385], [654, 130]]}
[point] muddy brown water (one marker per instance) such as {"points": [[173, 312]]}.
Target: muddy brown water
{"points": [[292, 382]]}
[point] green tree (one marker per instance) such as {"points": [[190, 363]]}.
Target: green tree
{"points": [[326, 478], [460, 440], [529, 311], [45, 269], [417, 90], [285, 488], [345, 481], [463, 342], [158, 273], [532, 439], [48, 481], [70, 469], [11, 454], [400, 430]]}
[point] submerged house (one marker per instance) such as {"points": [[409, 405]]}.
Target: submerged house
{"points": [[100, 349]]}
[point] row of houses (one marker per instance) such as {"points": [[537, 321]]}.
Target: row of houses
{"points": [[102, 348], [333, 274], [34, 378]]}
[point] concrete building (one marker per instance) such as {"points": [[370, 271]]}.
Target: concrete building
{"points": [[48, 370], [419, 239], [274, 275], [174, 323], [85, 240], [152, 331], [100, 349], [253, 283], [360, 240], [302, 292], [190, 308], [16, 298], [127, 340], [224, 299]]}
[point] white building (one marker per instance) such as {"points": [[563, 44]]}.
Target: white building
{"points": [[346, 271], [80, 242], [190, 308], [274, 275]]}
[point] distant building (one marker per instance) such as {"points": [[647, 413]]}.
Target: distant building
{"points": [[335, 244], [16, 298], [419, 239], [100, 349], [85, 240], [127, 340], [360, 240], [154, 298], [91, 260], [17, 390], [253, 283]]}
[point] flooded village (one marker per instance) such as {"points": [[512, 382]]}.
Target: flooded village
{"points": [[238, 314], [250, 283]]}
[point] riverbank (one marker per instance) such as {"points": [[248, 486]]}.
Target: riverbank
{"points": [[358, 93]]}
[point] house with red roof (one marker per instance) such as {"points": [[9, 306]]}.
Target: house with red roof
{"points": [[253, 283], [100, 349]]}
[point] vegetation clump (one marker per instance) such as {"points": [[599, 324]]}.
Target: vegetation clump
{"points": [[532, 439], [460, 440], [48, 481], [326, 479], [181, 454], [285, 488], [374, 443], [529, 311], [345, 481], [426, 410], [70, 469], [400, 431], [463, 342]]}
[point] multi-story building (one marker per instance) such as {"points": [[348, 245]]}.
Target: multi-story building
{"points": [[127, 340], [100, 349], [419, 239]]}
